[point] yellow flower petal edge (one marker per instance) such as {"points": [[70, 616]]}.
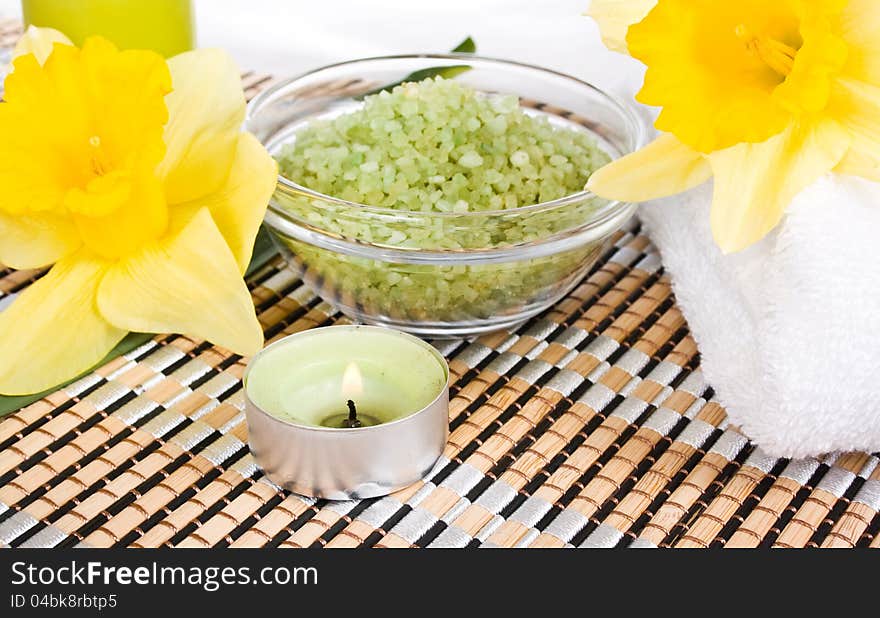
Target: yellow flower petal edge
{"points": [[206, 110], [858, 25], [857, 105], [748, 201], [188, 284], [663, 167], [238, 207], [34, 172], [53, 331], [39, 42], [862, 159], [614, 18], [34, 241]]}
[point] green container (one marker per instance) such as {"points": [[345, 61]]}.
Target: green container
{"points": [[165, 26]]}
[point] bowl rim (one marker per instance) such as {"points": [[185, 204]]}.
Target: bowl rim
{"points": [[626, 110]]}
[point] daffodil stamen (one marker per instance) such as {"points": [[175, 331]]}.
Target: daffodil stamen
{"points": [[772, 52], [100, 164]]}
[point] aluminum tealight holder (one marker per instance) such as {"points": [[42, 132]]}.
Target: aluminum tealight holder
{"points": [[353, 462]]}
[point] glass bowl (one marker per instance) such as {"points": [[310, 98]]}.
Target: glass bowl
{"points": [[442, 274]]}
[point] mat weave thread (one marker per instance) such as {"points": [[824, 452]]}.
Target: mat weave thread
{"points": [[589, 426]]}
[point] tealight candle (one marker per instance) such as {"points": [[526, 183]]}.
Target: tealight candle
{"points": [[347, 411]]}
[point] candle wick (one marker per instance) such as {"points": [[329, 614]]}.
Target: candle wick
{"points": [[352, 421]]}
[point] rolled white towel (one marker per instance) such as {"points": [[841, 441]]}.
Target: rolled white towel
{"points": [[789, 329]]}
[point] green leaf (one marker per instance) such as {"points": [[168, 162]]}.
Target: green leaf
{"points": [[468, 46], [264, 250]]}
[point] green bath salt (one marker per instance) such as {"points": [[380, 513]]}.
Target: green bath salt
{"points": [[458, 166]]}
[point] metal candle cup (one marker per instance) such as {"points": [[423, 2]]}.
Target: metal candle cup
{"points": [[339, 463]]}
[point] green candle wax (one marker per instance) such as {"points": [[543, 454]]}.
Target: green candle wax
{"points": [[307, 379], [165, 26]]}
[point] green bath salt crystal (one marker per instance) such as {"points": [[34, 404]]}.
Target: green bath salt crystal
{"points": [[439, 146], [436, 148]]}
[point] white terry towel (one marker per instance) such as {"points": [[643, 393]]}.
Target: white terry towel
{"points": [[788, 329]]}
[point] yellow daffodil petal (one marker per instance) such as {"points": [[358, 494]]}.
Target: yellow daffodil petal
{"points": [[53, 331], [238, 207], [862, 159], [35, 172], [754, 183], [856, 105], [206, 110], [126, 101], [189, 284], [76, 125], [713, 90], [732, 72], [616, 16], [141, 218], [823, 54], [33, 241], [858, 25], [39, 42], [662, 168]]}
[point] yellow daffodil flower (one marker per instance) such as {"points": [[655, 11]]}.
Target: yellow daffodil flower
{"points": [[132, 176], [765, 97]]}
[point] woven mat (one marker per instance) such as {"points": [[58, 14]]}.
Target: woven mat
{"points": [[589, 426]]}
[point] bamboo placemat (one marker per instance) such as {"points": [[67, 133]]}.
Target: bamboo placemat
{"points": [[589, 426]]}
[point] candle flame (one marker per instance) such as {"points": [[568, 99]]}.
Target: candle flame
{"points": [[352, 382]]}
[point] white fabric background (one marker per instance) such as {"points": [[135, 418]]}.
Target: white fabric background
{"points": [[287, 37]]}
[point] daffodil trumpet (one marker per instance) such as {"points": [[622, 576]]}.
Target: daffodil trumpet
{"points": [[764, 97], [130, 176]]}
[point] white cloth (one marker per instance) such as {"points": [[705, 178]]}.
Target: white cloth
{"points": [[789, 329], [289, 37]]}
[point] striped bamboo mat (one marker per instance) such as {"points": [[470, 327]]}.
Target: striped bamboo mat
{"points": [[589, 426]]}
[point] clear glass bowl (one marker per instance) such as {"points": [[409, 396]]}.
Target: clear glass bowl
{"points": [[469, 273]]}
